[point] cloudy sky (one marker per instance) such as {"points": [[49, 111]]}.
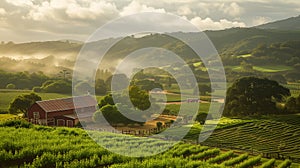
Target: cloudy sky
{"points": [[39, 20]]}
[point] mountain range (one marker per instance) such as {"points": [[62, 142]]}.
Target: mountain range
{"points": [[233, 41]]}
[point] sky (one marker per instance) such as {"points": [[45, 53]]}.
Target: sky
{"points": [[44, 20]]}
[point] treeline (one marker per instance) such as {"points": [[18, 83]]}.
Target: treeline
{"points": [[286, 53], [21, 80], [61, 83]]}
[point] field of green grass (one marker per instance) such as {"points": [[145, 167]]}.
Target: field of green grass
{"points": [[6, 96], [39, 146], [244, 56], [174, 108], [266, 68], [4, 117]]}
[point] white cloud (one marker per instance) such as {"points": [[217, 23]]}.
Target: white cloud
{"points": [[260, 20], [209, 24], [40, 12], [2, 12], [233, 9], [20, 2], [61, 4], [66, 10], [135, 7], [184, 10], [64, 18], [93, 11]]}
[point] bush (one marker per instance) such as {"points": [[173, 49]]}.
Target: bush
{"points": [[250, 162], [221, 157], [10, 86], [16, 123], [236, 160], [3, 112], [59, 86], [285, 164], [37, 89], [268, 164]]}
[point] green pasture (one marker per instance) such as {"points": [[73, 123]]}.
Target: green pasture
{"points": [[6, 96], [266, 68]]}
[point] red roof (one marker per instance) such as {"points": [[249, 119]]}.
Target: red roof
{"points": [[67, 103]]}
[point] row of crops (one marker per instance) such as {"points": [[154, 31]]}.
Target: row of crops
{"points": [[294, 88], [276, 137], [39, 146]]}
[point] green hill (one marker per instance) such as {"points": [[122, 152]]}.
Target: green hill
{"points": [[292, 23]]}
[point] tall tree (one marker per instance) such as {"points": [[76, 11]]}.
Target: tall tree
{"points": [[251, 95], [139, 98], [22, 103]]}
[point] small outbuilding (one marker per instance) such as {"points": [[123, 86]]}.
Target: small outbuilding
{"points": [[61, 112]]}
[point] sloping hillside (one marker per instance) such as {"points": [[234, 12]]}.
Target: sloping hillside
{"points": [[292, 23]]}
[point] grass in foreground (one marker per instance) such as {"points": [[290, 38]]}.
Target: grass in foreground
{"points": [[39, 146]]}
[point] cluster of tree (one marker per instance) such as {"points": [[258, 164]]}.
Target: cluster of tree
{"points": [[254, 96], [22, 103], [247, 70], [21, 80], [55, 86], [162, 78], [139, 99], [277, 53]]}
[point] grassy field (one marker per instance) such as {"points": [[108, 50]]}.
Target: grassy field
{"points": [[244, 56], [4, 117], [6, 96], [266, 68], [174, 108], [40, 146]]}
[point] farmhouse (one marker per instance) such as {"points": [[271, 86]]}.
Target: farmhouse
{"points": [[61, 112]]}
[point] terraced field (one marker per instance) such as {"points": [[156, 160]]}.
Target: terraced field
{"points": [[276, 137], [294, 88], [66, 147]]}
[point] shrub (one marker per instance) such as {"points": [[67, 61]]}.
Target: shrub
{"points": [[37, 89], [250, 162], [285, 164], [10, 86], [221, 157], [268, 164], [236, 160], [16, 123], [207, 154]]}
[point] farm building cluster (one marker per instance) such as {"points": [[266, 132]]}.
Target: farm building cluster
{"points": [[62, 112]]}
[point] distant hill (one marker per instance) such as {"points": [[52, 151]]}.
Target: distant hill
{"points": [[228, 42], [292, 23]]}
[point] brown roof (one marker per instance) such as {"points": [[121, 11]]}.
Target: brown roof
{"points": [[67, 103], [72, 116]]}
